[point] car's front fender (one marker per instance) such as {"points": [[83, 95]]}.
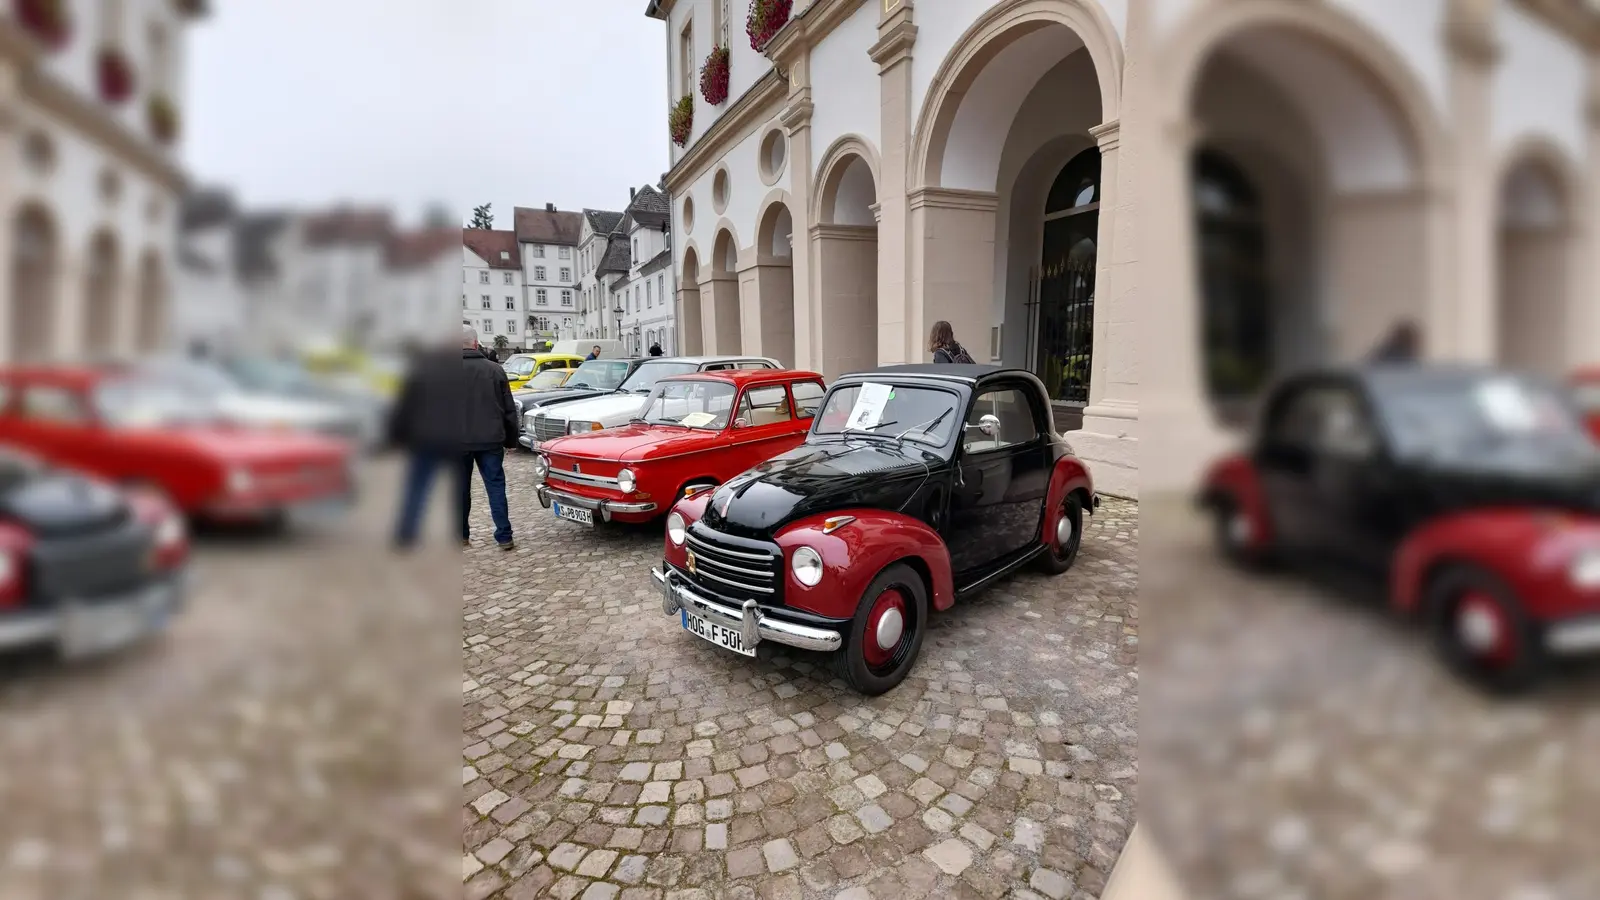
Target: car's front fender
{"points": [[1529, 550], [854, 554]]}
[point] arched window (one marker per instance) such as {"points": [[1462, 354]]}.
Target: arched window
{"points": [[1061, 324], [1235, 296]]}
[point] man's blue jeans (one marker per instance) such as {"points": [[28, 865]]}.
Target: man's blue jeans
{"points": [[491, 465]]}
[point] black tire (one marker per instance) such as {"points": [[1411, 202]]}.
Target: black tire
{"points": [[851, 660], [1058, 557], [1231, 540], [1510, 663]]}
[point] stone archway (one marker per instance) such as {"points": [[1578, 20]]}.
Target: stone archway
{"points": [[772, 282], [1540, 277], [845, 241], [35, 284], [153, 305], [102, 292], [720, 314], [689, 317]]}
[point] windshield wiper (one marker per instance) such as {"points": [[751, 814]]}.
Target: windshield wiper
{"points": [[900, 441]]}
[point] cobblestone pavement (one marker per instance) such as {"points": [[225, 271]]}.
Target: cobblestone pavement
{"points": [[1299, 743], [607, 754], [273, 745]]}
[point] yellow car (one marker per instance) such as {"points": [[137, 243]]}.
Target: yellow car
{"points": [[548, 380], [521, 368]]}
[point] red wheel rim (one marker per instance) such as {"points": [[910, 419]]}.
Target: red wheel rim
{"points": [[1484, 629], [887, 623]]}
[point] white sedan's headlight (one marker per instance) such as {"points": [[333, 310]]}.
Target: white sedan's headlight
{"points": [[626, 481], [1585, 572], [676, 529], [240, 481], [806, 564], [541, 469], [581, 427]]}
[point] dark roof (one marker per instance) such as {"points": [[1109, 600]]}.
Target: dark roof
{"points": [[545, 226], [618, 258], [418, 248], [650, 208], [195, 262], [662, 260], [347, 225], [602, 221], [206, 208], [941, 371], [252, 244], [490, 244]]}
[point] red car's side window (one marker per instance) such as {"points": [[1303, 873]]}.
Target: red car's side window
{"points": [[766, 405], [53, 404]]}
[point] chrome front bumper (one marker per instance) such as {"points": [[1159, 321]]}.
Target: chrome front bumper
{"points": [[46, 626], [1573, 637], [753, 626], [605, 508]]}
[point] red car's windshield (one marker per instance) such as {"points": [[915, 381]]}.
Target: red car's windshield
{"points": [[691, 404], [151, 403]]}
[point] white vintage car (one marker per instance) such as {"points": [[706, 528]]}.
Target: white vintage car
{"points": [[618, 407]]}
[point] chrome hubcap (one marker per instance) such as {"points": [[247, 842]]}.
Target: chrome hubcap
{"points": [[1240, 529], [1063, 531], [1478, 628], [890, 626]]}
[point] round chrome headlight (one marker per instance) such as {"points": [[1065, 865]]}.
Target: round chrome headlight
{"points": [[240, 481], [541, 468], [170, 532], [626, 481], [676, 529], [1585, 572], [806, 564]]}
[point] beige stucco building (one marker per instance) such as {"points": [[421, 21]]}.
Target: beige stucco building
{"points": [[90, 181], [1155, 204]]}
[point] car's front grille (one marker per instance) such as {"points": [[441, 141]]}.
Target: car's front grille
{"points": [[548, 428], [91, 567], [747, 570]]}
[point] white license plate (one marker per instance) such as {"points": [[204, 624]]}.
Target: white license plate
{"points": [[91, 630], [724, 637], [573, 514]]}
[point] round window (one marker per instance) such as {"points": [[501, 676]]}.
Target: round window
{"points": [[774, 153], [688, 214], [719, 191]]}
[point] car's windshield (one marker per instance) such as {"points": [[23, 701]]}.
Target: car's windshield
{"points": [[924, 414], [692, 404], [644, 378], [199, 378], [272, 376], [1487, 413], [550, 378], [599, 374], [151, 403], [520, 366]]}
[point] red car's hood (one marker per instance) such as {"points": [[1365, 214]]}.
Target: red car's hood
{"points": [[254, 446], [630, 443]]}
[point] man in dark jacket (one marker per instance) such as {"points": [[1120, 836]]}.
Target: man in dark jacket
{"points": [[456, 413], [594, 353], [1402, 345], [655, 349]]}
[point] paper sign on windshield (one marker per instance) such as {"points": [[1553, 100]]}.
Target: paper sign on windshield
{"points": [[868, 411], [698, 420], [1507, 406]]}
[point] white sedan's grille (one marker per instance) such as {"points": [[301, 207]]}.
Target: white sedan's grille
{"points": [[548, 428]]}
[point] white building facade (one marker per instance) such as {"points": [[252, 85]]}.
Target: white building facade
{"points": [[90, 120], [1042, 173], [602, 261], [493, 292], [548, 240], [645, 294]]}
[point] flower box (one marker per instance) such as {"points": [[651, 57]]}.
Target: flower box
{"points": [[115, 75], [765, 20], [47, 20], [714, 76], [163, 118], [680, 119]]}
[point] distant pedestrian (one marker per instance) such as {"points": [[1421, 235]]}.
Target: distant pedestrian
{"points": [[655, 349], [945, 348], [1402, 345], [594, 353]]}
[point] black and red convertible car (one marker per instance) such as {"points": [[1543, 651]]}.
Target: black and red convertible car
{"points": [[1473, 494], [916, 485]]}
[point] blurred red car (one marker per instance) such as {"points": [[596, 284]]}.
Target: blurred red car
{"points": [[699, 429], [1586, 392], [129, 430]]}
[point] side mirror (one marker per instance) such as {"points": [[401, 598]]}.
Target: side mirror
{"points": [[740, 423], [988, 426]]}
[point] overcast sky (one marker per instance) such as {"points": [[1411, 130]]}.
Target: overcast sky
{"points": [[407, 102]]}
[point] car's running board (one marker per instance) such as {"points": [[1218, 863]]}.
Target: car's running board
{"points": [[1001, 572]]}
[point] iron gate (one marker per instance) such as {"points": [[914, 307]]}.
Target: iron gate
{"points": [[1060, 318]]}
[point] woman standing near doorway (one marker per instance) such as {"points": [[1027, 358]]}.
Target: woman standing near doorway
{"points": [[945, 348]]}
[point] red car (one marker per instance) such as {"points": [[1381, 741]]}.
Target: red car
{"points": [[695, 430], [1586, 391], [129, 430]]}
